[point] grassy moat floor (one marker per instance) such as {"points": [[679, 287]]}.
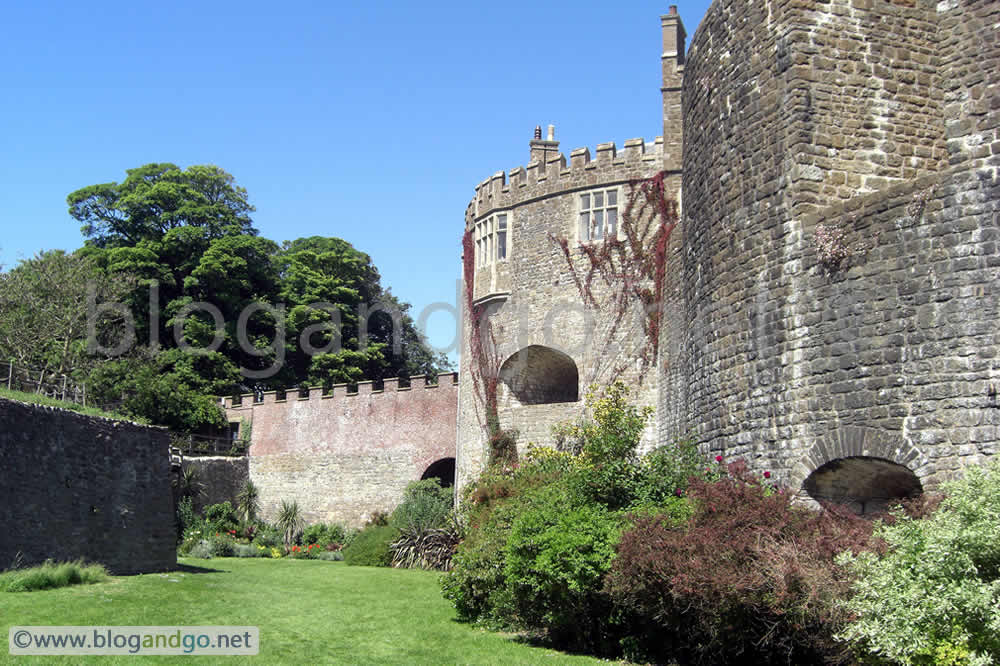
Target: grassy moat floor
{"points": [[308, 612]]}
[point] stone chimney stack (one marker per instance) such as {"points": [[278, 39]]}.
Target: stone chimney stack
{"points": [[542, 150], [673, 74]]}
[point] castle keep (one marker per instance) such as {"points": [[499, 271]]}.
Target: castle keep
{"points": [[830, 312], [826, 307]]}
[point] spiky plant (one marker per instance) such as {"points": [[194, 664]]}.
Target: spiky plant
{"points": [[248, 502], [290, 522]]}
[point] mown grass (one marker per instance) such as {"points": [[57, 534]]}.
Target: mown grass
{"points": [[51, 575], [36, 399], [308, 612]]}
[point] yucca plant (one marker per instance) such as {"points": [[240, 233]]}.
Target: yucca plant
{"points": [[290, 522], [248, 502], [426, 548]]}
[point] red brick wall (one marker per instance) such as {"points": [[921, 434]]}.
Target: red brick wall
{"points": [[344, 456]]}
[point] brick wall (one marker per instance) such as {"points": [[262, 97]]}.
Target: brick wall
{"points": [[74, 486], [345, 456]]}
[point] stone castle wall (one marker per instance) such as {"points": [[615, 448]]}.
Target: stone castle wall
{"points": [[77, 486], [221, 478], [843, 116], [547, 337], [345, 456], [542, 329]]}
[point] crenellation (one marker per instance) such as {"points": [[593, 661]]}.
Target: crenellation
{"points": [[556, 175]]}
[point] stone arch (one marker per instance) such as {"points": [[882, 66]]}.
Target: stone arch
{"points": [[862, 467], [538, 375], [864, 485], [443, 470]]}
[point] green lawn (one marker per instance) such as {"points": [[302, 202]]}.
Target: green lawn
{"points": [[308, 612]]}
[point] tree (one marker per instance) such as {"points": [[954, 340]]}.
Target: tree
{"points": [[156, 198], [220, 309], [44, 310]]}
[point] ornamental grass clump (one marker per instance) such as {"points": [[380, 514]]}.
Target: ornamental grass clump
{"points": [[51, 575]]}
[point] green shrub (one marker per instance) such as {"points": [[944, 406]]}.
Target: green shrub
{"points": [[246, 550], [554, 561], [425, 505], [609, 472], [370, 548], [203, 549], [934, 596], [51, 575], [541, 535], [186, 517], [220, 518], [267, 536], [323, 534], [331, 556]]}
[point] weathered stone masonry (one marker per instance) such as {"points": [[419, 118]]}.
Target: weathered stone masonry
{"points": [[344, 456], [856, 379], [874, 119], [74, 486], [879, 119]]}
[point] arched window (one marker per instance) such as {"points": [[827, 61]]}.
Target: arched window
{"points": [[539, 375], [866, 485]]}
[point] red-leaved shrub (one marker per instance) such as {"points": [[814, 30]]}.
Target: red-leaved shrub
{"points": [[749, 579]]}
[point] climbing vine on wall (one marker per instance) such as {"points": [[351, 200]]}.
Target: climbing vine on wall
{"points": [[484, 362], [628, 270]]}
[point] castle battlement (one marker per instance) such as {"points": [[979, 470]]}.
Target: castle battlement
{"points": [[553, 174], [445, 380]]}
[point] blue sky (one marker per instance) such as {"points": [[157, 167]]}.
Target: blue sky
{"points": [[373, 123]]}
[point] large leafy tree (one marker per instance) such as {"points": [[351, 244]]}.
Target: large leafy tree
{"points": [[156, 198], [216, 307]]}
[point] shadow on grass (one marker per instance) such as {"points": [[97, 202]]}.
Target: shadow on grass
{"points": [[187, 568]]}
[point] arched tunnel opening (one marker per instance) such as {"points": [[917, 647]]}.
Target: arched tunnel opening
{"points": [[867, 486], [443, 470], [538, 375]]}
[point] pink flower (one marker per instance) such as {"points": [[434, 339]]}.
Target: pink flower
{"points": [[767, 475], [718, 458], [679, 492]]}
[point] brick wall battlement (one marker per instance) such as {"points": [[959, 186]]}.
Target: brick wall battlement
{"points": [[345, 455], [340, 391]]}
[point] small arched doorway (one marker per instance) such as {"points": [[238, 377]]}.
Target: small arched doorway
{"points": [[865, 485], [443, 470], [538, 375]]}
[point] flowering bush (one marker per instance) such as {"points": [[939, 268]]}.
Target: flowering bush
{"points": [[306, 552]]}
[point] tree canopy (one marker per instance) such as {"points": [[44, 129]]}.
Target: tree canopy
{"points": [[216, 308]]}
